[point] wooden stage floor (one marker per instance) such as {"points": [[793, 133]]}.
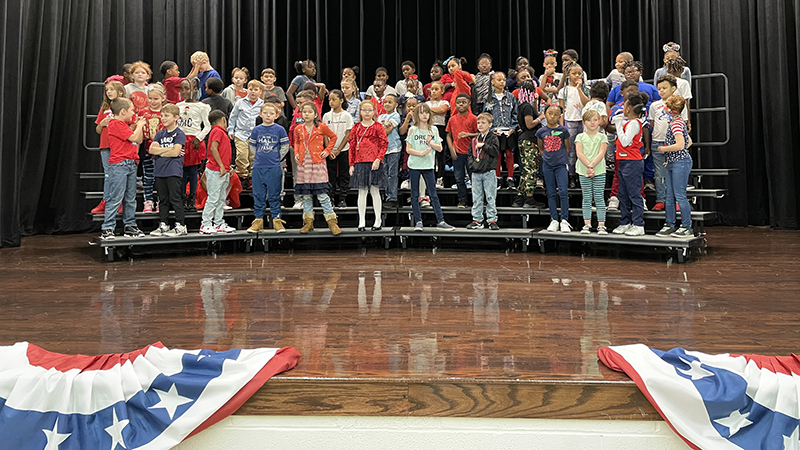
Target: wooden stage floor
{"points": [[415, 332]]}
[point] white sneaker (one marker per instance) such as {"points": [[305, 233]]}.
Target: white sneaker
{"points": [[406, 184], [179, 230], [225, 228], [161, 230], [601, 230], [587, 229], [621, 229], [565, 226], [635, 230], [424, 204], [644, 203], [298, 205], [227, 207], [553, 227], [439, 183], [208, 230], [613, 203]]}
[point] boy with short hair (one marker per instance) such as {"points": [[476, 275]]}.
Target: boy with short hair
{"points": [[213, 88], [460, 129], [390, 121], [243, 120], [217, 175], [268, 143], [268, 77], [172, 81], [201, 68], [482, 158], [122, 162], [167, 151]]}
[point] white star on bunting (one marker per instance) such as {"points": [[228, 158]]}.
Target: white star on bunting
{"points": [[170, 400], [54, 438], [792, 442], [695, 371], [735, 422], [115, 430]]}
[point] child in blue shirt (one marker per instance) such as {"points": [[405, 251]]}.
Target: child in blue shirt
{"points": [[269, 143], [553, 144], [391, 122]]}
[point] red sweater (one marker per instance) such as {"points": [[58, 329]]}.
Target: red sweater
{"points": [[367, 143]]}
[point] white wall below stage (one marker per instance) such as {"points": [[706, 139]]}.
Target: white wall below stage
{"points": [[417, 433]]}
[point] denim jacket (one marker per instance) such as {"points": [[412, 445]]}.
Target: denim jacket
{"points": [[503, 111]]}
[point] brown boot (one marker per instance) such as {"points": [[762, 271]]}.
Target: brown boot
{"points": [[308, 222], [258, 225], [333, 224], [277, 225]]}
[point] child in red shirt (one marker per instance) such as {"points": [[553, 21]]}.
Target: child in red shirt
{"points": [[121, 176], [460, 129], [368, 144], [217, 175], [113, 89], [458, 79], [172, 81]]}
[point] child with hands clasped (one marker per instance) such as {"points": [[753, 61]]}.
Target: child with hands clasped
{"points": [[630, 164], [121, 175], [484, 149], [137, 91], [368, 145], [167, 153], [553, 144], [269, 143], [590, 147], [679, 166], [152, 115], [422, 140], [313, 143]]}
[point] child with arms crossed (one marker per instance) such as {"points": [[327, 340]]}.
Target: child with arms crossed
{"points": [[590, 147], [167, 152]]}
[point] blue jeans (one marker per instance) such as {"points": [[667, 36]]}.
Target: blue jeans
{"points": [[430, 184], [631, 204], [659, 171], [217, 188], [390, 163], [556, 180], [105, 153], [190, 176], [461, 169], [484, 184], [121, 184], [677, 177], [574, 127], [267, 183], [324, 201]]}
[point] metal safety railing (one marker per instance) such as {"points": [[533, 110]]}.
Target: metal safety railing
{"points": [[715, 109], [86, 113]]}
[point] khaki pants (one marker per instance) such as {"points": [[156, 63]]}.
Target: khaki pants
{"points": [[244, 160]]}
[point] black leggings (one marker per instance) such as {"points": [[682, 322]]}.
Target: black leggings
{"points": [[170, 196]]}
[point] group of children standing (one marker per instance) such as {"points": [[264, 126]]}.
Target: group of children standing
{"points": [[560, 128]]}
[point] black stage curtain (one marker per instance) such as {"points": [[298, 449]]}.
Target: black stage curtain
{"points": [[52, 49]]}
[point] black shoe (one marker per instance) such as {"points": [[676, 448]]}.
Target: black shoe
{"points": [[493, 226], [376, 228], [474, 225], [342, 204], [362, 229], [510, 184], [462, 204], [499, 183], [390, 204], [133, 231], [190, 205], [573, 182], [107, 235], [519, 201], [530, 202]]}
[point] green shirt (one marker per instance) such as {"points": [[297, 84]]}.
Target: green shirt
{"points": [[416, 138], [591, 147]]}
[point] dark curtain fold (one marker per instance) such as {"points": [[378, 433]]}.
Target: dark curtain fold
{"points": [[52, 49]]}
